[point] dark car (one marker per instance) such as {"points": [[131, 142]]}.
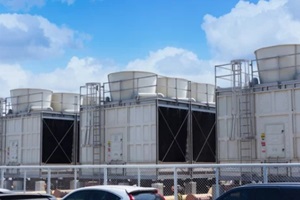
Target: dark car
{"points": [[263, 191], [20, 196]]}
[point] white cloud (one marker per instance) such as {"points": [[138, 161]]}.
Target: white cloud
{"points": [[77, 72], [169, 61], [12, 76], [251, 26], [26, 5], [34, 37], [69, 2], [175, 62], [22, 4]]}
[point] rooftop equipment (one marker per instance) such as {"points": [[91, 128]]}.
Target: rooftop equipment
{"points": [[175, 88], [278, 63], [203, 92], [127, 85], [27, 99], [65, 102]]}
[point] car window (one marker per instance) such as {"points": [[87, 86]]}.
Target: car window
{"points": [[242, 194], [291, 193], [147, 196], [267, 193], [79, 195], [92, 195], [102, 195], [254, 193]]}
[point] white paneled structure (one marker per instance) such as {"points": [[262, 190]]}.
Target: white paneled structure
{"points": [[258, 116]]}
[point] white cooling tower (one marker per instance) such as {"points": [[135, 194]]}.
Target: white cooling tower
{"points": [[278, 63], [27, 99], [128, 84], [172, 87], [203, 92], [65, 102]]}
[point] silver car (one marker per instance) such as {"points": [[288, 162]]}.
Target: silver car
{"points": [[114, 192]]}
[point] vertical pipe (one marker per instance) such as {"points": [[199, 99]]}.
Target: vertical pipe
{"points": [[139, 176], [2, 178], [157, 126], [75, 140], [75, 178], [49, 181], [175, 184], [24, 181], [105, 176], [41, 139], [265, 174], [217, 189]]}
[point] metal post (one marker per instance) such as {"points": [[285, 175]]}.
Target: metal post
{"points": [[139, 176], [75, 178], [2, 178], [217, 175], [105, 176], [24, 181], [265, 174], [49, 181], [175, 184]]}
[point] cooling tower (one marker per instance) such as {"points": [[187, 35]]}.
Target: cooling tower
{"points": [[65, 102], [278, 63], [128, 84], [203, 92], [171, 87], [27, 99]]}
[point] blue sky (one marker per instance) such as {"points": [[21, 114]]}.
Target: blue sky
{"points": [[62, 44]]}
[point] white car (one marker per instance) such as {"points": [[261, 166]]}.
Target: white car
{"points": [[114, 192]]}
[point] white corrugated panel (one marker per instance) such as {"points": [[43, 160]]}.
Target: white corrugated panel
{"points": [[89, 126], [274, 124], [23, 137], [227, 128], [273, 109], [297, 125], [85, 143], [136, 126]]}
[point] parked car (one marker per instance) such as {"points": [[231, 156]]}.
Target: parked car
{"points": [[20, 196], [263, 191], [5, 191], [114, 192]]}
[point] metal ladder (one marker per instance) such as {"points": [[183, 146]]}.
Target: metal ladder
{"points": [[242, 96], [245, 125], [92, 106]]}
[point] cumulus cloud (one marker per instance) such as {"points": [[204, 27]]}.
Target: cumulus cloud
{"points": [[12, 76], [170, 61], [78, 72], [251, 26], [175, 62], [69, 2], [25, 5], [34, 37]]}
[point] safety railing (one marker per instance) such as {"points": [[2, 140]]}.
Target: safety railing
{"points": [[191, 179]]}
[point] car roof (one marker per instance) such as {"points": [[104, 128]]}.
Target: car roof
{"points": [[3, 190], [274, 184], [119, 188], [282, 185], [26, 196]]}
